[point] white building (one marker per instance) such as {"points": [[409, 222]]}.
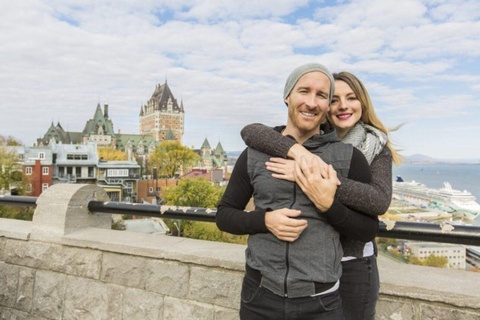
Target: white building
{"points": [[454, 253]]}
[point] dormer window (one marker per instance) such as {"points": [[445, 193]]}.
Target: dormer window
{"points": [[41, 155]]}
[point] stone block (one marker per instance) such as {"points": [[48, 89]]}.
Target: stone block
{"points": [[124, 270], [8, 284], [178, 309], [13, 314], [87, 299], [143, 305], [432, 312], [49, 294], [226, 314], [26, 282], [217, 287], [63, 209], [391, 309], [170, 278], [28, 253], [78, 262]]}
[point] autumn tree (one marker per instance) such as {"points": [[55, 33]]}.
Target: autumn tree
{"points": [[436, 261], [109, 153], [170, 157], [9, 141]]}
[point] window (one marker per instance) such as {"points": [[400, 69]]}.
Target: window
{"points": [[28, 171], [41, 155], [150, 189], [45, 171], [44, 186], [90, 172], [84, 157], [69, 156], [29, 188], [78, 171], [117, 172]]}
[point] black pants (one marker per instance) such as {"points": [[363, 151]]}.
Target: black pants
{"points": [[359, 288], [259, 303]]}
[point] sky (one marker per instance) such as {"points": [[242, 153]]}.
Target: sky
{"points": [[228, 62]]}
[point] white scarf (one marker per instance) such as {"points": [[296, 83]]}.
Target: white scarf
{"points": [[369, 140]]}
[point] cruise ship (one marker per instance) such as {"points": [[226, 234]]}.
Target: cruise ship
{"points": [[445, 199]]}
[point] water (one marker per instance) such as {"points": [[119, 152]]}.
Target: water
{"points": [[460, 176]]}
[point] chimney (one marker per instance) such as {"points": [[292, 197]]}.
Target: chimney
{"points": [[118, 133], [105, 111]]}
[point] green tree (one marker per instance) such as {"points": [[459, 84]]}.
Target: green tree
{"points": [[198, 193], [170, 157], [10, 168], [193, 193]]}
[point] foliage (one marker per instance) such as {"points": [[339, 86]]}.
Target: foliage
{"points": [[109, 153], [10, 169], [9, 141], [197, 193], [170, 157], [385, 242], [18, 213], [431, 261], [194, 193], [209, 231]]}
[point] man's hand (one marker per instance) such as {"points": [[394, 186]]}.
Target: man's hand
{"points": [[282, 168], [319, 188], [281, 223]]}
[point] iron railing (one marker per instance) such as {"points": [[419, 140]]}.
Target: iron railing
{"points": [[444, 233]]}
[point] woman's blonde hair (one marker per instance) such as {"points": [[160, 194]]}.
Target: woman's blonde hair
{"points": [[368, 112]]}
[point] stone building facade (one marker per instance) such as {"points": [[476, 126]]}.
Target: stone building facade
{"points": [[162, 117]]}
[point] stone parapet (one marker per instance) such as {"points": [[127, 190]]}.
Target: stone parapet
{"points": [[87, 272]]}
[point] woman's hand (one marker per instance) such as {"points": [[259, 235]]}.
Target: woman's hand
{"points": [[319, 189], [297, 152], [282, 168]]}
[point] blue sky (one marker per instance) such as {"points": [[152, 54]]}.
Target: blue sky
{"points": [[228, 61]]}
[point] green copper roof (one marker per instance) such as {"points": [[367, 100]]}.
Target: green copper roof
{"points": [[206, 144], [92, 125]]}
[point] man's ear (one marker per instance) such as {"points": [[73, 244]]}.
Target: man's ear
{"points": [[286, 101]]}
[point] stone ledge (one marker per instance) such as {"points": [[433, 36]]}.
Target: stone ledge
{"points": [[201, 252], [455, 287], [15, 229]]}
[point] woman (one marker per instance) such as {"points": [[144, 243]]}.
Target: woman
{"points": [[352, 114]]}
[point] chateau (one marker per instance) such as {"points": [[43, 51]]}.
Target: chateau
{"points": [[162, 117]]}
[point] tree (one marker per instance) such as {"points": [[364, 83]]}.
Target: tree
{"points": [[198, 193], [193, 193], [9, 141], [436, 261], [10, 169], [170, 157], [109, 153]]}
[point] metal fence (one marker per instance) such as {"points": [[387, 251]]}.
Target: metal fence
{"points": [[444, 233]]}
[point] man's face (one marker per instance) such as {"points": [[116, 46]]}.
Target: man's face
{"points": [[308, 104]]}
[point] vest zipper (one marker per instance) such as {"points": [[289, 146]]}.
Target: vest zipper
{"points": [[287, 249]]}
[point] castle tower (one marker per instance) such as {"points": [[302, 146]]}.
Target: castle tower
{"points": [[162, 116]]}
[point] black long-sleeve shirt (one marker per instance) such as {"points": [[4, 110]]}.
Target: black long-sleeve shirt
{"points": [[232, 218]]}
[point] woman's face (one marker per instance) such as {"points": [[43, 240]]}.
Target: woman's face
{"points": [[345, 109]]}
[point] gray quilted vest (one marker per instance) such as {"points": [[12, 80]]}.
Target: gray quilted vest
{"points": [[291, 269]]}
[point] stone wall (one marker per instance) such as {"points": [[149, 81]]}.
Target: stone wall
{"points": [[84, 270]]}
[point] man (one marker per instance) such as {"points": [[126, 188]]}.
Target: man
{"points": [[294, 252]]}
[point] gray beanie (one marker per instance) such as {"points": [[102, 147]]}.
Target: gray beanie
{"points": [[304, 69]]}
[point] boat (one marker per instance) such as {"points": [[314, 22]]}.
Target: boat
{"points": [[446, 199]]}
